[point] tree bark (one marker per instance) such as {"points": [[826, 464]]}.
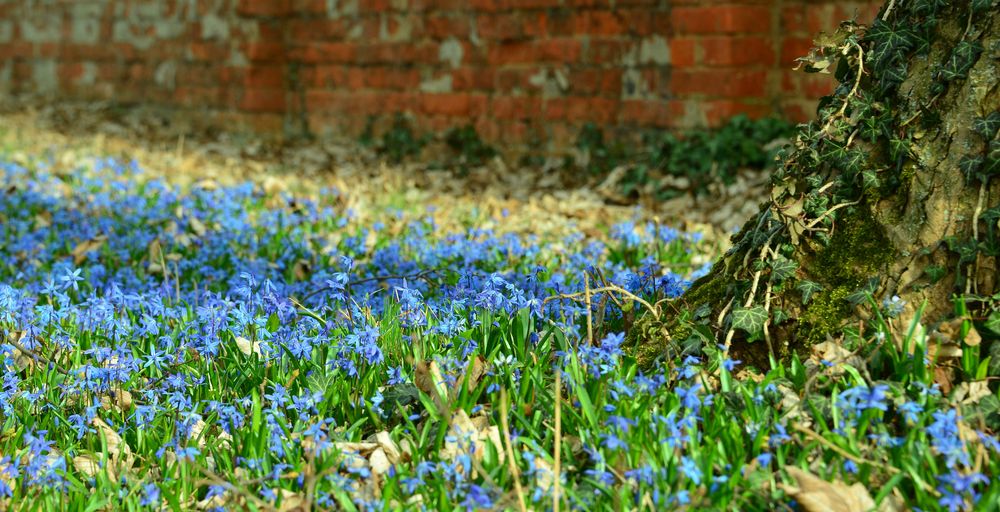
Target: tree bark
{"points": [[892, 191]]}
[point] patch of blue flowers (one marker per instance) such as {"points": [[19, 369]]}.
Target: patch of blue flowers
{"points": [[206, 349]]}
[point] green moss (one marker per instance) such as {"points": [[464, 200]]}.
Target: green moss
{"points": [[824, 314], [858, 250]]}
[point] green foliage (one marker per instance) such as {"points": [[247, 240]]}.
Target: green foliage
{"points": [[469, 148], [750, 320], [702, 156], [398, 143]]}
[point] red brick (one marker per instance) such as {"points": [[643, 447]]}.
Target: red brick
{"points": [[793, 19], [609, 51], [507, 107], [817, 85], [596, 82], [600, 110], [208, 51], [734, 83], [325, 75], [317, 29], [720, 19], [373, 5], [454, 104], [263, 7], [265, 77], [263, 100], [511, 26], [792, 48], [324, 52], [798, 110], [682, 52], [197, 96], [477, 78], [820, 18], [391, 78], [596, 22], [264, 51], [719, 111], [443, 26], [738, 51], [558, 50], [650, 113], [510, 80], [511, 53]]}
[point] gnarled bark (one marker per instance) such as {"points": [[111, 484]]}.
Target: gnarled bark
{"points": [[893, 190]]}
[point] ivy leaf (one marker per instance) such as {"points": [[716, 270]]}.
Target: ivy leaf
{"points": [[935, 273], [808, 288], [961, 60], [779, 316], [970, 165], [869, 178], [750, 320], [987, 126], [862, 294], [891, 42], [981, 5], [993, 322], [782, 268]]}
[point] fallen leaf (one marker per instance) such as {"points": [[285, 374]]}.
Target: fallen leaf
{"points": [[118, 451], [379, 462], [817, 495], [247, 347], [427, 377], [389, 446], [89, 466], [968, 393]]}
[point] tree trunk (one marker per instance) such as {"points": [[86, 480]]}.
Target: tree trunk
{"points": [[893, 191]]}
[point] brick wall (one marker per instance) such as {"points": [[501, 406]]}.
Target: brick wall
{"points": [[523, 72]]}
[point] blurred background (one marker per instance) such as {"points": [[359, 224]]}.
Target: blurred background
{"points": [[641, 100]]}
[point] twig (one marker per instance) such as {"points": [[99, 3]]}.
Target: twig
{"points": [[228, 485], [753, 292], [828, 212], [586, 300], [846, 454], [39, 358], [604, 289], [510, 451], [416, 275], [556, 468]]}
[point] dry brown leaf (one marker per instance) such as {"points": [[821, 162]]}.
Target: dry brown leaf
{"points": [[291, 501], [247, 347], [119, 400], [379, 462], [197, 227], [467, 436], [118, 451], [79, 252], [817, 495], [155, 252], [832, 352], [972, 337], [428, 378], [392, 451], [89, 466], [968, 393]]}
